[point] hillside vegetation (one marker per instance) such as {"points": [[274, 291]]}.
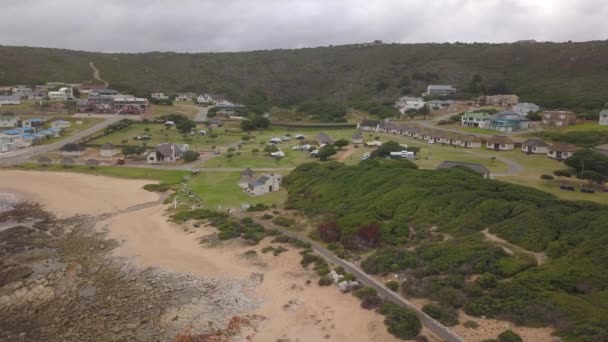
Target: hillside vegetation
{"points": [[391, 207], [571, 75]]}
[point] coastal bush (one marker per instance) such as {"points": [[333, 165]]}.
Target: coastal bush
{"points": [[266, 217], [325, 281], [447, 316], [283, 221], [546, 177], [157, 187], [392, 285], [258, 207], [364, 292], [401, 322], [509, 336], [401, 199], [471, 324]]}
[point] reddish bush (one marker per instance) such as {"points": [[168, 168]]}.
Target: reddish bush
{"points": [[370, 234], [329, 232]]}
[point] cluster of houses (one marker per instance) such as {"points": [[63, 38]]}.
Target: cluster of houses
{"points": [[558, 151], [24, 133], [109, 101], [511, 120]]}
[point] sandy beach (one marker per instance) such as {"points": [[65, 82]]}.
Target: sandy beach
{"points": [[293, 310], [67, 194]]}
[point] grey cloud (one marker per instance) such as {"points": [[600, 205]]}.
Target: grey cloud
{"points": [[216, 25]]}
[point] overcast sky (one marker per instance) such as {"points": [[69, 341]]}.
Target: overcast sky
{"points": [[236, 25]]}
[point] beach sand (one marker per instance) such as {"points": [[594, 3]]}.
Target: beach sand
{"points": [[68, 194], [293, 310]]}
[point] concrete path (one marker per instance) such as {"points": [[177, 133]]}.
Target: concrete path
{"points": [[201, 116], [96, 74], [434, 326]]}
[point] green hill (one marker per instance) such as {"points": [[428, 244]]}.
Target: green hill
{"points": [[390, 207], [571, 75]]}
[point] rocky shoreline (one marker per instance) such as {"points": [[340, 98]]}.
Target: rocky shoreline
{"points": [[58, 282]]}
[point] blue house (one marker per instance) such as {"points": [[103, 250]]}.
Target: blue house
{"points": [[508, 121]]}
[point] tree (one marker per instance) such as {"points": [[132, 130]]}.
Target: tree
{"points": [[386, 149], [424, 110], [190, 156], [509, 336], [562, 173], [186, 126], [247, 125], [595, 178], [129, 150], [147, 129], [260, 122], [255, 150], [400, 321], [588, 159], [327, 151], [340, 143], [271, 149], [487, 280]]}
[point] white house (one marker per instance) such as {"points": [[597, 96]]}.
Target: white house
{"points": [[535, 146], [402, 155], [500, 143], [604, 117], [109, 150], [10, 100], [10, 142], [357, 138], [561, 151], [159, 96], [63, 94], [8, 120], [183, 98], [406, 103], [524, 108], [439, 90], [265, 184], [166, 153], [369, 126], [60, 124]]}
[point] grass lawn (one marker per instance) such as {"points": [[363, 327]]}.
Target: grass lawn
{"points": [[221, 189], [163, 176], [552, 187], [189, 110], [439, 153], [586, 127]]}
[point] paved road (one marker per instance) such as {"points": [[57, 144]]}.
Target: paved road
{"points": [[201, 116], [96, 74], [434, 326], [28, 152]]}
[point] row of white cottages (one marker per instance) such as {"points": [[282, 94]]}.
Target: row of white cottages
{"points": [[557, 151]]}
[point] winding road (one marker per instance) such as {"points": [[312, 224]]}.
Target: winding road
{"points": [[434, 326]]}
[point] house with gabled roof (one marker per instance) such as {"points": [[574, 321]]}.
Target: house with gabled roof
{"points": [[8, 120], [561, 151], [357, 138], [265, 184], [534, 146], [369, 126], [247, 174], [604, 117], [324, 139], [500, 143], [166, 152]]}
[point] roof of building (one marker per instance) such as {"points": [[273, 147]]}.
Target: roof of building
{"points": [[471, 166], [107, 146], [509, 115], [247, 172], [71, 147], [216, 121], [604, 112], [563, 147], [35, 120], [535, 143], [476, 115], [500, 139], [323, 138], [369, 123], [441, 87], [10, 97], [166, 149], [357, 135]]}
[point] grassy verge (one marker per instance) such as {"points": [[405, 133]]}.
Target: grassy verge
{"points": [[162, 176]]}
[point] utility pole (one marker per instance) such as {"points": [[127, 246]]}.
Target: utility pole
{"points": [[582, 172]]}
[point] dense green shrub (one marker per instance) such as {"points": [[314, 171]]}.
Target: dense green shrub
{"points": [[387, 260], [509, 336], [157, 187], [392, 285], [325, 281], [447, 316], [283, 221], [400, 321]]}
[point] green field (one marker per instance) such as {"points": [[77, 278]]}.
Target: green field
{"points": [[162, 176], [221, 189]]}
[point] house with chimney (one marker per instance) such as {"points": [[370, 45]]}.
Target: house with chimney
{"points": [[265, 184], [166, 153]]}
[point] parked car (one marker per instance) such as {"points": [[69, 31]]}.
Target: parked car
{"points": [[366, 156]]}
